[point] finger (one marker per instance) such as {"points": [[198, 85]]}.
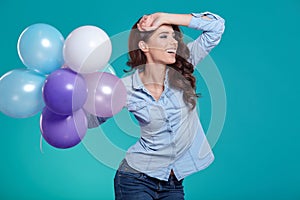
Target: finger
{"points": [[139, 27], [144, 18], [149, 20], [148, 28]]}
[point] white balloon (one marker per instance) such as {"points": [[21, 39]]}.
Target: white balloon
{"points": [[87, 49]]}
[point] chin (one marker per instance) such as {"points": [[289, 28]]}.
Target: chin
{"points": [[169, 62]]}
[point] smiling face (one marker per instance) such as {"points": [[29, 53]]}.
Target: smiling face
{"points": [[161, 47]]}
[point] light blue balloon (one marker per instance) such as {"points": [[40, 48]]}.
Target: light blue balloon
{"points": [[21, 93], [40, 47], [109, 69]]}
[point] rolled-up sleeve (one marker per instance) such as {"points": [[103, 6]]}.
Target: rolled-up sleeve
{"points": [[212, 30]]}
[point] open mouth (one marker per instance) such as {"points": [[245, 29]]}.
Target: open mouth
{"points": [[171, 51]]}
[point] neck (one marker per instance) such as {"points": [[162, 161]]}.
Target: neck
{"points": [[154, 74]]}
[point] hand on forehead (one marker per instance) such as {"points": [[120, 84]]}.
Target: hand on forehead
{"points": [[149, 22]]}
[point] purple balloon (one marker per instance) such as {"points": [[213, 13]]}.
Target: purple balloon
{"points": [[63, 131], [64, 91], [106, 94]]}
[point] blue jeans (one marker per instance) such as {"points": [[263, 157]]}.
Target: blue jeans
{"points": [[133, 185]]}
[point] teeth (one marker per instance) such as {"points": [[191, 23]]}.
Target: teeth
{"points": [[171, 50]]}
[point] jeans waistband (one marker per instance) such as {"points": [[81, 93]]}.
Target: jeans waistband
{"points": [[126, 168]]}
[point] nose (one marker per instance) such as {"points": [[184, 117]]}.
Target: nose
{"points": [[174, 41]]}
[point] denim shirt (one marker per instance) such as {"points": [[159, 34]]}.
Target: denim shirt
{"points": [[172, 137]]}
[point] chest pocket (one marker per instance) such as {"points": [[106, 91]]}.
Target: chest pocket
{"points": [[140, 110], [152, 118]]}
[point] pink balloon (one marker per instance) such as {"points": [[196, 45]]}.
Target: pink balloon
{"points": [[106, 94]]}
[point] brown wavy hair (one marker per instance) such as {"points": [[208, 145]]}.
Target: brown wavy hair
{"points": [[181, 77]]}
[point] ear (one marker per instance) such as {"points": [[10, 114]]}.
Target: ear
{"points": [[143, 46]]}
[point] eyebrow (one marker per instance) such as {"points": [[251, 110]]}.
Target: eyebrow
{"points": [[167, 32]]}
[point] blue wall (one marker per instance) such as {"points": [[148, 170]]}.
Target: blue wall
{"points": [[257, 154]]}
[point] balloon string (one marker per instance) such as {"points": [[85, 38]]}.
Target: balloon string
{"points": [[41, 144]]}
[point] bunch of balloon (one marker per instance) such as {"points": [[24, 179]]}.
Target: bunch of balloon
{"points": [[65, 79]]}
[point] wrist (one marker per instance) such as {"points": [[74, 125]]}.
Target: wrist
{"points": [[178, 19], [165, 18]]}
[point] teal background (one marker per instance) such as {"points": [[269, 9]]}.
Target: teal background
{"points": [[257, 155]]}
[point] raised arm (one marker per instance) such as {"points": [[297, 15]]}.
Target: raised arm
{"points": [[153, 21]]}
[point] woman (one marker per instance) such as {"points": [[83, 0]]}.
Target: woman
{"points": [[161, 95]]}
